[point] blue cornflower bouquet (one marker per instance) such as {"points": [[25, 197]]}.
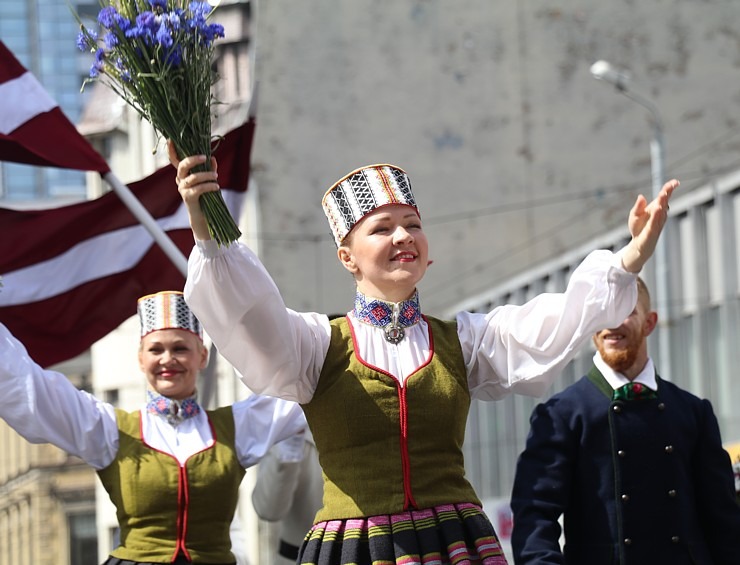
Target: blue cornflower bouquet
{"points": [[157, 55]]}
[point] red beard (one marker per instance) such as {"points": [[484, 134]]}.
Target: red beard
{"points": [[621, 360]]}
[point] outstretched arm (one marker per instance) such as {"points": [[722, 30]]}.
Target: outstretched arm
{"points": [[45, 407], [646, 221], [521, 349], [276, 351]]}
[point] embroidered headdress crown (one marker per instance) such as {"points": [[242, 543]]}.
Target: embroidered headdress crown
{"points": [[360, 192], [166, 310]]}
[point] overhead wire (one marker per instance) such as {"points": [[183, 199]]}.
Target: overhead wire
{"points": [[562, 198], [545, 201], [478, 268]]}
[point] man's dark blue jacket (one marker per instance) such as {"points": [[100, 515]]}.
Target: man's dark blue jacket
{"points": [[643, 482]]}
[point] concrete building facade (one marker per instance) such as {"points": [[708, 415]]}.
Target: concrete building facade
{"points": [[515, 152]]}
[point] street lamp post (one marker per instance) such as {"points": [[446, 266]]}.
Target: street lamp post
{"points": [[603, 70]]}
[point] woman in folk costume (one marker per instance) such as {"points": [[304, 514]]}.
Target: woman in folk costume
{"points": [[386, 389], [172, 469]]}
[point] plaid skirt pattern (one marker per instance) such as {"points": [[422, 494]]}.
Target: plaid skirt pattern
{"points": [[451, 534]]}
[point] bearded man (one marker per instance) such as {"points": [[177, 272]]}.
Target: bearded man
{"points": [[632, 463]]}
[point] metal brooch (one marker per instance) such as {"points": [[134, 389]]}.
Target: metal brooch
{"points": [[394, 333]]}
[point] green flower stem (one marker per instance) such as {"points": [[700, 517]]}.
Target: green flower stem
{"points": [[221, 225]]}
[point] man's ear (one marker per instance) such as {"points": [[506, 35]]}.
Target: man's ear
{"points": [[651, 320], [346, 258]]}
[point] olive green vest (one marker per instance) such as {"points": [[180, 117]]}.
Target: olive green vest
{"points": [[164, 509], [385, 448]]}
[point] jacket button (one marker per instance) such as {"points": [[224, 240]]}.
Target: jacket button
{"points": [[621, 453], [675, 539], [627, 541], [672, 493], [617, 408], [661, 406], [625, 498], [669, 449]]}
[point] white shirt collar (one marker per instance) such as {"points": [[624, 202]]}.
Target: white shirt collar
{"points": [[615, 379]]}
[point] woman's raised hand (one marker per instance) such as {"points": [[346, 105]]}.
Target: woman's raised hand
{"points": [[646, 221], [191, 185]]}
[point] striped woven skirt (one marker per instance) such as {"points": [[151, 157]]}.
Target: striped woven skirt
{"points": [[451, 534]]}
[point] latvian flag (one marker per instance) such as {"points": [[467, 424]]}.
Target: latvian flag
{"points": [[73, 274]]}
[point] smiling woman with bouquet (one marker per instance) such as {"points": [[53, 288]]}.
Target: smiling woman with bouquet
{"points": [[385, 389]]}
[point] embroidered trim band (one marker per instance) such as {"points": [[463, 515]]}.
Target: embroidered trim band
{"points": [[392, 317], [174, 411]]}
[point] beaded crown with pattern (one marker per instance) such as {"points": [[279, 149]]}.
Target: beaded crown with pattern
{"points": [[360, 192], [166, 310]]}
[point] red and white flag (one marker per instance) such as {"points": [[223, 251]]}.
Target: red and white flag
{"points": [[33, 129], [73, 274]]}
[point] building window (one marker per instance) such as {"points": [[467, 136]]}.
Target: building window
{"points": [[111, 396], [114, 535], [83, 541]]}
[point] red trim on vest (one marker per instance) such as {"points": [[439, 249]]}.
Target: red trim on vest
{"points": [[183, 490], [182, 512], [408, 495]]}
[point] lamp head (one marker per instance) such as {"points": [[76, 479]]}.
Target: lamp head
{"points": [[604, 70]]}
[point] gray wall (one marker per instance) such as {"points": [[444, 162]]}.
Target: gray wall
{"points": [[515, 152]]}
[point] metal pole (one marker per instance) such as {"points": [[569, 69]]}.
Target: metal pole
{"points": [[142, 214], [603, 70], [661, 296]]}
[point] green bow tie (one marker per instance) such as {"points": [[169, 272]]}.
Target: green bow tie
{"points": [[634, 391]]}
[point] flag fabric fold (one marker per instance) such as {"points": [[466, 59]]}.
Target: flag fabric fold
{"points": [[73, 274], [33, 129]]}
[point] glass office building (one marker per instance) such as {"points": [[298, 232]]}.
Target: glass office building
{"points": [[41, 34]]}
